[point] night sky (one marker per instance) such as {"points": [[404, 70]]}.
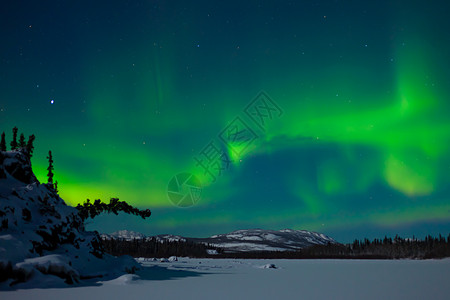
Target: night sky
{"points": [[330, 116]]}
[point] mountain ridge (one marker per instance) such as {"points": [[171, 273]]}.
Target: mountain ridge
{"points": [[242, 240]]}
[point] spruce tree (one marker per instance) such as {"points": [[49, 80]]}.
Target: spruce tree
{"points": [[50, 168], [22, 143], [3, 143], [30, 146], [14, 140]]}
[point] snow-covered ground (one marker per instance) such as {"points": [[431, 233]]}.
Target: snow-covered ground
{"points": [[254, 279]]}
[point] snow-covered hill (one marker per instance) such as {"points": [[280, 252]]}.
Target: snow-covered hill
{"points": [[266, 240], [129, 235], [41, 235], [123, 235], [242, 240]]}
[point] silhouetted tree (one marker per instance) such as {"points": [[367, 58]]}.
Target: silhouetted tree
{"points": [[89, 210], [50, 167], [30, 146], [3, 143], [55, 186], [22, 143], [14, 140]]}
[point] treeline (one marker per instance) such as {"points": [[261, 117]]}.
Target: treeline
{"points": [[18, 144], [430, 247], [27, 148], [387, 248], [154, 248], [91, 210]]}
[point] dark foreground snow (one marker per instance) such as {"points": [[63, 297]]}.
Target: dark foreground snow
{"points": [[252, 279]]}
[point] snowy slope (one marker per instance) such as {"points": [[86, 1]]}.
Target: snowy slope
{"points": [[40, 234]]}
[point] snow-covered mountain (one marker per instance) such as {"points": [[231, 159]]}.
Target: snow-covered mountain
{"points": [[129, 235], [169, 238], [266, 240], [242, 240], [41, 235]]}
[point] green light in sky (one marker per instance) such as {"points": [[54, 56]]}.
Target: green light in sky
{"points": [[365, 107], [413, 178]]}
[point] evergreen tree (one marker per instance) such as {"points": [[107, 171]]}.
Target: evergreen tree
{"points": [[22, 143], [50, 167], [14, 140], [55, 186], [3, 143], [89, 210], [30, 146]]}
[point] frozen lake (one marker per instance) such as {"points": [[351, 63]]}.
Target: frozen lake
{"points": [[248, 279]]}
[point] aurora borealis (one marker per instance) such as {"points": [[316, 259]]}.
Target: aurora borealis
{"points": [[139, 88]]}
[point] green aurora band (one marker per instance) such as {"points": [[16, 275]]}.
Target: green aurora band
{"points": [[362, 144]]}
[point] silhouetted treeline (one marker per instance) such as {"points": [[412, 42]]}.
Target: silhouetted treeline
{"points": [[27, 147], [154, 248], [91, 210], [387, 248], [430, 247]]}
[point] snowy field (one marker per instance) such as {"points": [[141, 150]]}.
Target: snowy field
{"points": [[251, 279]]}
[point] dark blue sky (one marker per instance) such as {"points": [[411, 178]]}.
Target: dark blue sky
{"points": [[355, 107]]}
